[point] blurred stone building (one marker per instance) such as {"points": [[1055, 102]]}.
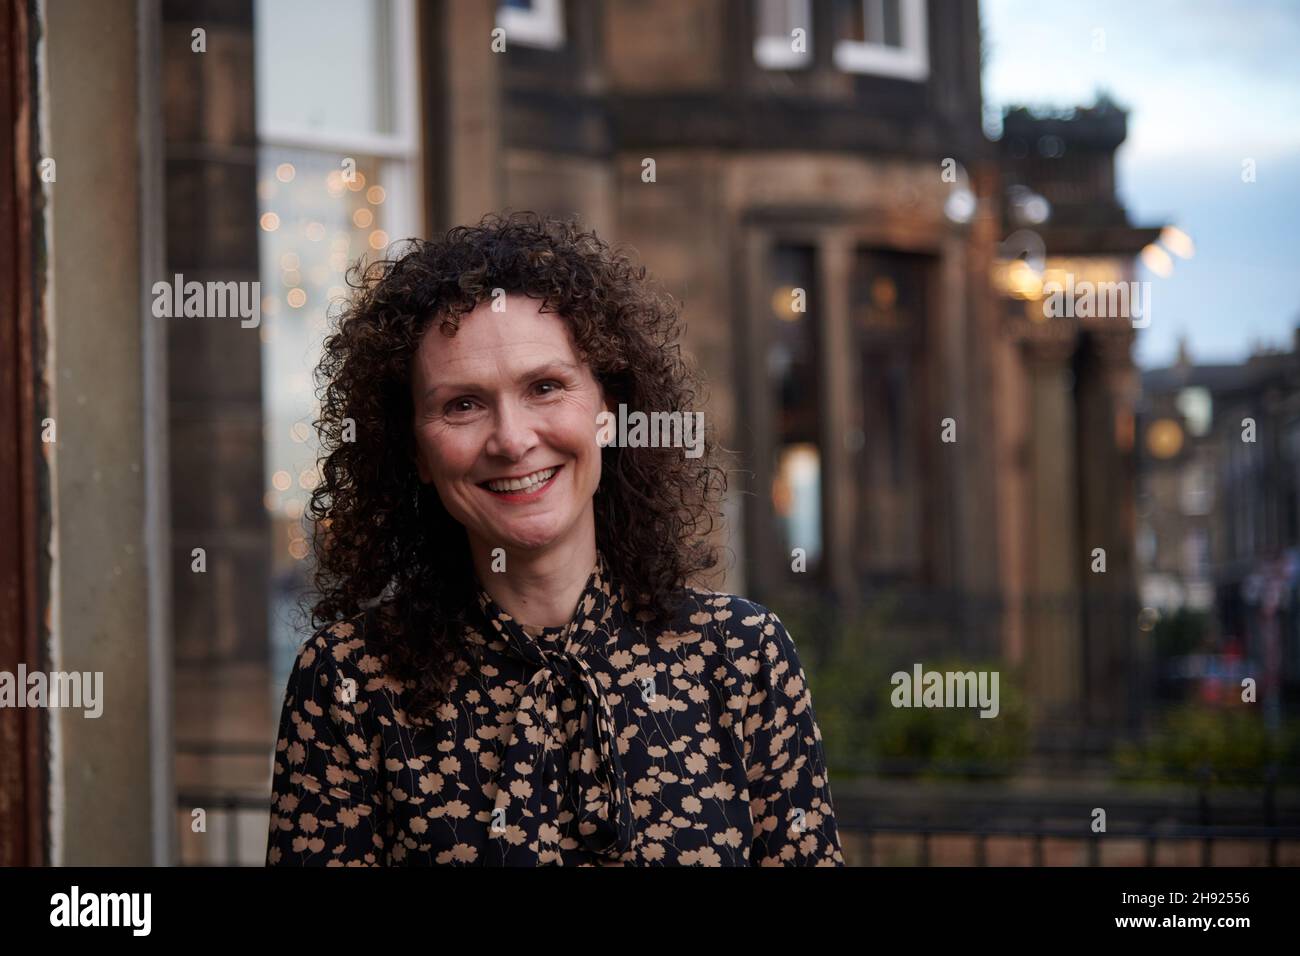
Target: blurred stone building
{"points": [[1220, 507], [862, 271], [853, 167], [1067, 494], [1180, 483]]}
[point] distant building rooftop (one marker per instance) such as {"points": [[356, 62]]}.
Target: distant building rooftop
{"points": [[1263, 366]]}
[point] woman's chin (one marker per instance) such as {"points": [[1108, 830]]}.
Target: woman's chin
{"points": [[523, 539]]}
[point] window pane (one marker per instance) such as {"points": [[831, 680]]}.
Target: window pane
{"points": [[877, 22], [793, 374], [797, 501], [893, 33], [314, 225], [888, 299], [1197, 405], [774, 40], [850, 20], [776, 18], [325, 66], [537, 23]]}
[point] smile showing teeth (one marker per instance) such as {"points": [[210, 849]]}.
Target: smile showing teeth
{"points": [[526, 484]]}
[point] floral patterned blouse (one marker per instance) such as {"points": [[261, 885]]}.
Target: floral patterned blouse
{"points": [[593, 744]]}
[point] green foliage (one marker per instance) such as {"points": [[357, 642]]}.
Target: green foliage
{"points": [[1182, 632], [849, 663], [842, 671], [957, 741], [1228, 744]]}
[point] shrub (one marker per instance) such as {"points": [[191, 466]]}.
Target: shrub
{"points": [[1222, 744], [849, 660]]}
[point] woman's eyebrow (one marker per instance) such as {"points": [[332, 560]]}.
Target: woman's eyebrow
{"points": [[542, 369]]}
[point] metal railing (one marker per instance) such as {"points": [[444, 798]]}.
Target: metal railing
{"points": [[223, 812], [1039, 831], [1251, 808], [1000, 814]]}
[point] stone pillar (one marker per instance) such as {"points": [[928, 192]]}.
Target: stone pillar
{"points": [[1054, 655], [1107, 491], [754, 419], [993, 622], [103, 377], [840, 485], [949, 359], [463, 113], [214, 364]]}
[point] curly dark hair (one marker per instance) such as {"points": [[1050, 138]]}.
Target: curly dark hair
{"points": [[383, 541]]}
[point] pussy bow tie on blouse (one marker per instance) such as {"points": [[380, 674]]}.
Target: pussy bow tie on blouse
{"points": [[564, 740]]}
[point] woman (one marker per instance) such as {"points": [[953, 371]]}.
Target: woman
{"points": [[514, 671]]}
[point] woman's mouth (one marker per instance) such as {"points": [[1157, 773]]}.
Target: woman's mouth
{"points": [[527, 488]]}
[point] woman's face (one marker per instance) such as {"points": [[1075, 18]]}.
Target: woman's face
{"points": [[507, 397]]}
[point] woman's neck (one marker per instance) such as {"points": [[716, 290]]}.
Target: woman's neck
{"points": [[537, 588]]}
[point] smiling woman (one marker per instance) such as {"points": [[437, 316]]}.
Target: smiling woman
{"points": [[505, 435], [512, 667]]}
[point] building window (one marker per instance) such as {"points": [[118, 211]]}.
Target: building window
{"points": [[792, 362], [886, 37], [1148, 546], [1195, 492], [1196, 554], [777, 45], [888, 298], [537, 23], [338, 180], [1196, 405]]}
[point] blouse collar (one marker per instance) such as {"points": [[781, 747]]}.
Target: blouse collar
{"points": [[574, 757], [592, 614]]}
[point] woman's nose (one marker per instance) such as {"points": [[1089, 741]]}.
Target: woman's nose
{"points": [[512, 432]]}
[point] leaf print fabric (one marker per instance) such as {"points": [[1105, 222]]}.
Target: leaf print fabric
{"points": [[327, 792], [556, 761], [600, 743], [788, 792]]}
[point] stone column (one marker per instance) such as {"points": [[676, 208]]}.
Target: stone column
{"points": [[1107, 489], [215, 365], [841, 488], [754, 420], [103, 374], [1054, 655], [217, 419], [463, 113]]}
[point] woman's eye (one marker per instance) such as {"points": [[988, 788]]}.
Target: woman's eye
{"points": [[460, 406]]}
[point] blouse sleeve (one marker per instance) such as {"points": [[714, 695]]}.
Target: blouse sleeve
{"points": [[325, 797], [789, 792]]}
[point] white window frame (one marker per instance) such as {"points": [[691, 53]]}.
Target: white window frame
{"points": [[401, 148], [772, 51], [542, 26], [911, 61]]}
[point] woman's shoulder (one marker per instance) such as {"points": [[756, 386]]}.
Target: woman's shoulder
{"points": [[725, 606], [749, 627], [346, 647]]}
